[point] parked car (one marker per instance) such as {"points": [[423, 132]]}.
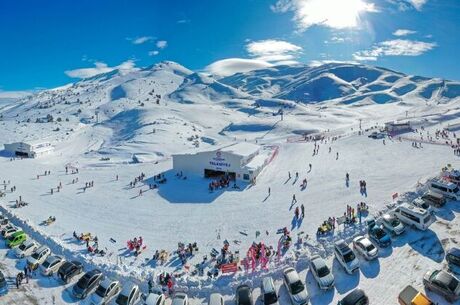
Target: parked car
{"points": [[414, 216], [3, 284], [4, 222], [411, 296], [268, 291], [376, 135], [443, 283], [445, 188], [434, 199], [87, 284], [51, 265], [69, 270], [25, 249], [380, 237], [296, 289], [106, 291], [9, 230], [244, 295], [180, 298], [420, 203], [16, 239], [158, 298], [356, 297], [130, 295], [453, 256], [321, 272], [392, 224], [365, 247], [346, 257], [38, 257]]}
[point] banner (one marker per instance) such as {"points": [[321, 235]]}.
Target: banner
{"points": [[229, 268]]}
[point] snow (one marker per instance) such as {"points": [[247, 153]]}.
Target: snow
{"points": [[199, 113]]}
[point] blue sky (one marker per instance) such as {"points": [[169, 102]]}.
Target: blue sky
{"points": [[45, 44]]}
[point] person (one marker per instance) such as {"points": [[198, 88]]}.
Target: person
{"points": [[337, 156], [347, 176], [269, 191], [310, 166], [302, 210], [294, 200], [296, 213]]}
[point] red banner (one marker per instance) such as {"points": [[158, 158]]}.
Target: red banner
{"points": [[229, 268], [395, 195]]}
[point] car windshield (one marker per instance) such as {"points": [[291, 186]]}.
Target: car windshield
{"points": [[100, 291], [11, 238], [394, 222], [22, 247], [427, 219], [456, 189], [370, 247], [453, 284], [46, 264], [35, 255], [379, 233], [323, 271], [348, 257], [270, 298], [83, 283], [297, 287]]}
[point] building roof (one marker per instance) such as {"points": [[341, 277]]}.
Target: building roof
{"points": [[243, 149]]}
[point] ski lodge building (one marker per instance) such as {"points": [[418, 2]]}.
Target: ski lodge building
{"points": [[34, 149], [241, 161], [397, 127]]}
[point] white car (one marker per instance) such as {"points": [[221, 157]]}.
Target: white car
{"points": [[420, 203], [26, 248], [38, 257], [106, 291], [295, 287], [51, 265], [129, 295], [9, 230], [180, 298], [392, 224], [157, 298], [346, 257], [365, 247], [321, 273]]}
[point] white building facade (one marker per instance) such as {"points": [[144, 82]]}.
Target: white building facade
{"points": [[30, 149], [240, 161]]}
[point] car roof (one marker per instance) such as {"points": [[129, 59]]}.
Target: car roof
{"points": [[444, 277], [353, 297], [28, 242], [42, 248], [267, 283], [454, 252], [291, 274], [342, 245], [53, 258], [107, 282], [318, 261]]}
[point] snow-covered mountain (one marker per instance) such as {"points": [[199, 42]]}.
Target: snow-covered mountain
{"points": [[167, 108]]}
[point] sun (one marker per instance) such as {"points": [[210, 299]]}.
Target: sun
{"points": [[333, 13]]}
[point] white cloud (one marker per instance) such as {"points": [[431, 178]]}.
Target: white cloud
{"points": [[397, 47], [100, 67], [231, 66], [337, 14], [161, 44], [317, 63], [12, 95], [404, 5], [154, 52], [403, 32], [272, 50], [140, 40]]}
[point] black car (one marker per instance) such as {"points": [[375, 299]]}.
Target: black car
{"points": [[453, 256], [70, 269], [243, 295], [87, 283], [356, 297]]}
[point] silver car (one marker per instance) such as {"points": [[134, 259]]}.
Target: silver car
{"points": [[365, 247], [129, 295], [392, 224], [106, 291], [321, 273], [443, 283], [295, 287]]}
